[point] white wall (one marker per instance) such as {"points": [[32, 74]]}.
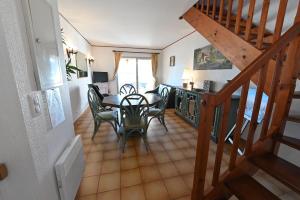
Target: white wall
{"points": [[184, 55], [104, 61], [78, 87], [45, 146]]}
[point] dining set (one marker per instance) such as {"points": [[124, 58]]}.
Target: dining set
{"points": [[128, 112]]}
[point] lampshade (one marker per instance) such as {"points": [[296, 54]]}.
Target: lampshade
{"points": [[187, 74]]}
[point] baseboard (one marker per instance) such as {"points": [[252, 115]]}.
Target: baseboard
{"points": [[83, 111]]}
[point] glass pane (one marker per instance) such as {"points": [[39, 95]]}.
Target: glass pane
{"points": [[127, 72], [145, 78]]}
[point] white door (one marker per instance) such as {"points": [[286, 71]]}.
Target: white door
{"points": [[21, 182]]}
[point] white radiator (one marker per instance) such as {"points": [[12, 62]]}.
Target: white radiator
{"points": [[69, 169]]}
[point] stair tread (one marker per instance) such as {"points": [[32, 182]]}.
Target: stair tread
{"points": [[294, 118], [296, 95], [284, 171], [245, 187], [292, 142]]}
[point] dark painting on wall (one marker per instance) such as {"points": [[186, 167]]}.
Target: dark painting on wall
{"points": [[172, 61], [209, 58]]}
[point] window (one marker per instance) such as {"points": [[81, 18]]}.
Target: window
{"points": [[138, 72]]}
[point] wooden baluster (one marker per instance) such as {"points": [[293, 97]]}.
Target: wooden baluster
{"points": [[204, 134], [239, 124], [272, 95], [239, 17], [256, 108], [221, 11], [229, 11], [221, 140], [198, 4], [202, 5], [262, 24], [207, 7], [249, 20], [214, 9], [280, 19]]}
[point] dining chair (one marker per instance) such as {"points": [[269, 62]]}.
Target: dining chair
{"points": [[127, 89], [100, 113], [159, 111], [134, 110]]}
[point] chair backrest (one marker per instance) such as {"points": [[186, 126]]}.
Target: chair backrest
{"points": [[134, 109], [95, 102], [97, 90], [127, 89], [164, 94]]}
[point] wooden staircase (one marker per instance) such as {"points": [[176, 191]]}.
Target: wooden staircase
{"points": [[250, 39], [271, 60]]}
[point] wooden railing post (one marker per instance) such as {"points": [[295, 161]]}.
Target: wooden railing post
{"points": [[262, 23], [249, 20], [239, 124], [204, 134]]}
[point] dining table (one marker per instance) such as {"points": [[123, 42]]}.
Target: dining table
{"points": [[115, 100]]}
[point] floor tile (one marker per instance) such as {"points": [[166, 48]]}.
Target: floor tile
{"points": [[95, 157], [161, 157], [129, 163], [176, 187], [89, 186], [110, 166], [110, 155], [130, 177], [176, 155], [156, 191], [146, 160], [167, 170], [133, 193], [110, 195], [184, 166], [92, 169], [109, 182], [90, 197], [149, 173]]}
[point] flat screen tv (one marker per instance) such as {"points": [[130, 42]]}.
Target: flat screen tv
{"points": [[100, 77]]}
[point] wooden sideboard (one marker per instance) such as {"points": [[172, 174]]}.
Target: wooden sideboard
{"points": [[187, 106]]}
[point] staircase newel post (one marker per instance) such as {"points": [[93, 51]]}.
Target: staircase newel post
{"points": [[204, 133]]}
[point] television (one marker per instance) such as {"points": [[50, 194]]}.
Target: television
{"points": [[100, 77]]}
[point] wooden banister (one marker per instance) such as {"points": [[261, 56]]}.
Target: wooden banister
{"points": [[222, 98]]}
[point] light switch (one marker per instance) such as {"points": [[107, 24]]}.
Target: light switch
{"points": [[34, 103]]}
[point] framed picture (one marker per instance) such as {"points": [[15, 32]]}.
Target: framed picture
{"points": [[172, 61], [43, 44], [209, 58]]}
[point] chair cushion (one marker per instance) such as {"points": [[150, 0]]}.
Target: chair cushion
{"points": [[130, 124], [108, 115], [154, 111]]}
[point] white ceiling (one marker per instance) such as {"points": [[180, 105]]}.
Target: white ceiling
{"points": [[129, 23]]}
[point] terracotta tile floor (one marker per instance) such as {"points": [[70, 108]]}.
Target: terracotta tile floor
{"points": [[164, 173]]}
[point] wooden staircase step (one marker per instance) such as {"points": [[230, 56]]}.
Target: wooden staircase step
{"points": [[247, 188], [296, 95], [294, 118], [292, 142], [284, 171]]}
